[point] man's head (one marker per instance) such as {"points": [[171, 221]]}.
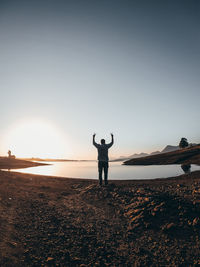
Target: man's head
{"points": [[102, 141]]}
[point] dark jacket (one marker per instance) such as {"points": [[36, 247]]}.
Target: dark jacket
{"points": [[103, 150]]}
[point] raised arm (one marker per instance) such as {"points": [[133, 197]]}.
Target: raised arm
{"points": [[94, 143], [112, 141]]}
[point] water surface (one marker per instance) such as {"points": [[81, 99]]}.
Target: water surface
{"points": [[117, 171]]}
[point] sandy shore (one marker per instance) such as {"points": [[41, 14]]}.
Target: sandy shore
{"points": [[48, 221]]}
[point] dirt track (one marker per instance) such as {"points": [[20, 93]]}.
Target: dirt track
{"points": [[71, 222]]}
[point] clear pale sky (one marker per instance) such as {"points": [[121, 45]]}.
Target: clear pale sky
{"points": [[127, 67]]}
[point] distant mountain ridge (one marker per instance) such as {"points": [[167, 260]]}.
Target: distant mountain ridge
{"points": [[142, 154], [169, 148]]}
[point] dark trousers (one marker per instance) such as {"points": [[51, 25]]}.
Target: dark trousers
{"points": [[103, 166]]}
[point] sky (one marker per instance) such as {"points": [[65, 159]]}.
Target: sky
{"points": [[72, 68]]}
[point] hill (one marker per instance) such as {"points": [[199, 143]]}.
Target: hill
{"points": [[169, 148], [7, 163], [190, 155]]}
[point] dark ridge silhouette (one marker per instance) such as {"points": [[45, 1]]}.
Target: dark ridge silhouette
{"points": [[12, 163], [190, 155]]}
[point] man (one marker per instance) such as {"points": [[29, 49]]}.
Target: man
{"points": [[103, 158]]}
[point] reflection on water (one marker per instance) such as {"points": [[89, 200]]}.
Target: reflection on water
{"points": [[117, 171], [186, 168]]}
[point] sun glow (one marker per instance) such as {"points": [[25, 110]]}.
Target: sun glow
{"points": [[36, 138]]}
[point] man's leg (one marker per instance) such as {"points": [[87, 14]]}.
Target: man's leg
{"points": [[100, 167], [106, 173]]}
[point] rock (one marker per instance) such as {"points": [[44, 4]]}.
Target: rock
{"points": [[137, 218], [195, 221], [168, 227], [50, 260]]}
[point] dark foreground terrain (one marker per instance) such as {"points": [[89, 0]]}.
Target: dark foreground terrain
{"points": [[48, 221]]}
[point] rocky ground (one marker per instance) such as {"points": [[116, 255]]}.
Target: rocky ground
{"points": [[72, 222]]}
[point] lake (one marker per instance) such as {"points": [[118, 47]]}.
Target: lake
{"points": [[117, 171]]}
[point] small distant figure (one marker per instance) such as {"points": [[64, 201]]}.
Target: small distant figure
{"points": [[9, 153], [10, 156], [103, 158]]}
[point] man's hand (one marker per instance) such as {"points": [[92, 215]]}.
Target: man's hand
{"points": [[94, 143]]}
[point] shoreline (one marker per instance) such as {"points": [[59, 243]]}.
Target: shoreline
{"points": [[9, 163], [187, 176]]}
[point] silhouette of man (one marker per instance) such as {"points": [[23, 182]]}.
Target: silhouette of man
{"points": [[103, 158]]}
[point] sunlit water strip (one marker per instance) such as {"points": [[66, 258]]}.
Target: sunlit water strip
{"points": [[117, 171]]}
